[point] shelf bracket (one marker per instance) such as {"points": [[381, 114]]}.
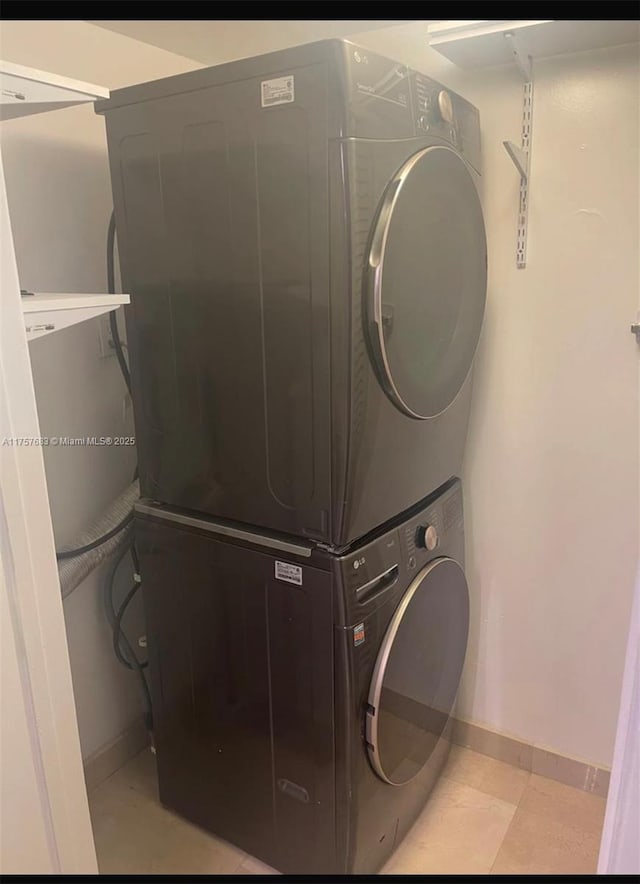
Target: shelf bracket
{"points": [[521, 156], [521, 57]]}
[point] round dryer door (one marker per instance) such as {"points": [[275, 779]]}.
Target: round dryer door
{"points": [[417, 672], [426, 282]]}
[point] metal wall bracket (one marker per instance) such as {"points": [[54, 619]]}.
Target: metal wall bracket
{"points": [[521, 156], [521, 57]]}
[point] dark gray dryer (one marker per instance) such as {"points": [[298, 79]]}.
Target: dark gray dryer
{"points": [[303, 701], [303, 242]]}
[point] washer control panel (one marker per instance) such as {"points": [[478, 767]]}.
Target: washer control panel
{"points": [[422, 536], [372, 566], [426, 535], [374, 572]]}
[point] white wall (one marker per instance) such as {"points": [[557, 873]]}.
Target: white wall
{"points": [[551, 474], [60, 201]]}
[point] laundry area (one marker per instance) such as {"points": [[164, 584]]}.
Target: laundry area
{"points": [[320, 447]]}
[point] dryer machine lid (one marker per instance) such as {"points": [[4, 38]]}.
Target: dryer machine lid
{"points": [[426, 280]]}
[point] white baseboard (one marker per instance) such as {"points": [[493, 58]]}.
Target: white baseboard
{"points": [[579, 774], [537, 759], [108, 759]]}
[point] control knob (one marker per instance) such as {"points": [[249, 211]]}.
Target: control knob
{"points": [[445, 106], [427, 537]]}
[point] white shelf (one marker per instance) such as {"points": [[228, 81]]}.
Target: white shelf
{"points": [[26, 91], [473, 44], [47, 312]]}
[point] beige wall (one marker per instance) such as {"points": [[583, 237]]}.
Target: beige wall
{"points": [[551, 477], [551, 474], [60, 201]]}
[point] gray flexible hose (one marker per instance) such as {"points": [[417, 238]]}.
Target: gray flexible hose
{"points": [[73, 571]]}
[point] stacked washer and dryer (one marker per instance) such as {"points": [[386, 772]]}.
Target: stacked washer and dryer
{"points": [[303, 242]]}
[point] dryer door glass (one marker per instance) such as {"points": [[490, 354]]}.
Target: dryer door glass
{"points": [[426, 281], [417, 672]]}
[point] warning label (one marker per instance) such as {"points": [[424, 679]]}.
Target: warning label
{"points": [[278, 91], [288, 572], [358, 634]]}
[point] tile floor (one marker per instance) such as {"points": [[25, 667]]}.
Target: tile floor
{"points": [[483, 816]]}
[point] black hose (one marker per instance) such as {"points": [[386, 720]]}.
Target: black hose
{"points": [[107, 598], [117, 626], [134, 557], [111, 288], [121, 643], [81, 550], [122, 647], [124, 368], [113, 323]]}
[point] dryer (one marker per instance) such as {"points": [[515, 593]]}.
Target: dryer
{"points": [[303, 701], [302, 238]]}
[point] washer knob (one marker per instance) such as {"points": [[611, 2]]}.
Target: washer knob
{"points": [[427, 537], [445, 106]]}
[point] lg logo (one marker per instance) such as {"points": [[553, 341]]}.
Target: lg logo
{"points": [[360, 59], [358, 562]]}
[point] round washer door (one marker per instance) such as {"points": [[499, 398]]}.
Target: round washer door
{"points": [[417, 672], [426, 282]]}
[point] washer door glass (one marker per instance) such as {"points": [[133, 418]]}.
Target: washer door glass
{"points": [[426, 282], [417, 672]]}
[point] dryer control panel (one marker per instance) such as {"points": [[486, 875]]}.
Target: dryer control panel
{"points": [[386, 98], [378, 94], [442, 113]]}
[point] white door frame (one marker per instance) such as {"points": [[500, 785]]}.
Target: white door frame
{"points": [[41, 690], [620, 846]]}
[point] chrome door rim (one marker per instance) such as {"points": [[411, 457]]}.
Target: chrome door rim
{"points": [[375, 688], [375, 260]]}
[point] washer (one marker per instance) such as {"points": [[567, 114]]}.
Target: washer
{"points": [[303, 701], [303, 241]]}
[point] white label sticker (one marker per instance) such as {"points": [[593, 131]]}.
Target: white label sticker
{"points": [[290, 573], [278, 91]]}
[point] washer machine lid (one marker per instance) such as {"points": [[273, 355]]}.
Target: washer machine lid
{"points": [[417, 672], [426, 281]]}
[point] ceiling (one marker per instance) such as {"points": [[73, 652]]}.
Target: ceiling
{"points": [[212, 42]]}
